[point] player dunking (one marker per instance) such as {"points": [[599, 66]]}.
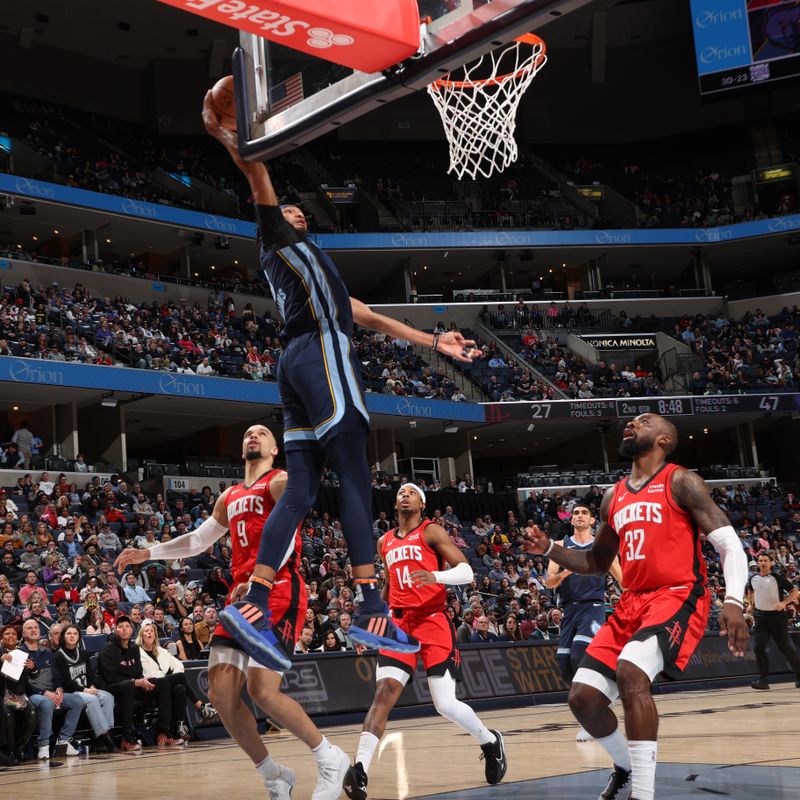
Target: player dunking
{"points": [[244, 509], [580, 597], [653, 519], [323, 409], [414, 554]]}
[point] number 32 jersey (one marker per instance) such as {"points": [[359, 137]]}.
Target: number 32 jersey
{"points": [[404, 555], [248, 509], [659, 543]]}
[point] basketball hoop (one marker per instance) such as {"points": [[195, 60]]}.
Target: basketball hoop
{"points": [[479, 113]]}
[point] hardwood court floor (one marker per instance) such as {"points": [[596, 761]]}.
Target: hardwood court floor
{"points": [[734, 742]]}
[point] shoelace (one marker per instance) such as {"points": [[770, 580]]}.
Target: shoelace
{"points": [[327, 773]]}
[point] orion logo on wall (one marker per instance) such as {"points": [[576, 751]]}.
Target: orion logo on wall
{"points": [[714, 54], [214, 223], [406, 408], [780, 224], [177, 384], [713, 235], [23, 372], [608, 237], [29, 187], [137, 209], [710, 18]]}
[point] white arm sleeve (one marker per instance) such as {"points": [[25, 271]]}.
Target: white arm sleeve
{"points": [[455, 576], [734, 561], [190, 544]]}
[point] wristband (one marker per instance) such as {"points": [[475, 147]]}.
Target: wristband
{"points": [[729, 598], [550, 548], [435, 342]]}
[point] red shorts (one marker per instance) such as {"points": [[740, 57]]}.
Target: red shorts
{"points": [[677, 616], [437, 638], [287, 610]]}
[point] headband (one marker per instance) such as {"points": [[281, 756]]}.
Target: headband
{"points": [[416, 489]]}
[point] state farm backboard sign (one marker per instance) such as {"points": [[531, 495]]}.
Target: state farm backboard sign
{"points": [[367, 35]]}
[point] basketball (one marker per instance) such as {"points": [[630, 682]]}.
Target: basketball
{"points": [[223, 100]]}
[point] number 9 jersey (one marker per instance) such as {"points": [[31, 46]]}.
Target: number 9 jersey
{"points": [[248, 508], [659, 543]]}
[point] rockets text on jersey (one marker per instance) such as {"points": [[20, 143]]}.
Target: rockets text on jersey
{"points": [[659, 542], [404, 555], [248, 508]]}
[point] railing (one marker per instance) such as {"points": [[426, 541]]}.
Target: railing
{"points": [[567, 318]]}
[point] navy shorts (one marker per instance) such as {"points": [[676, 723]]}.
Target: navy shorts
{"points": [[580, 623], [320, 384]]}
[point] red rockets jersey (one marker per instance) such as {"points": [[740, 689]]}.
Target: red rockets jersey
{"points": [[248, 509], [403, 555], [659, 545]]}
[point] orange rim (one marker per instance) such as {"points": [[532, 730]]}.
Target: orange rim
{"points": [[527, 38]]}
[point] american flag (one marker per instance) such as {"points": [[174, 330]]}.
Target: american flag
{"points": [[286, 93]]}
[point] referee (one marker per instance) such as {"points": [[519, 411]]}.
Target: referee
{"points": [[765, 590]]}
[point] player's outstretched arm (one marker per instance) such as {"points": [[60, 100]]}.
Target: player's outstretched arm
{"points": [[256, 172], [451, 343], [690, 492], [186, 546], [596, 561], [556, 575]]}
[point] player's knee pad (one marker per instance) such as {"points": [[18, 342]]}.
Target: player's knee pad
{"points": [[646, 655], [590, 689]]}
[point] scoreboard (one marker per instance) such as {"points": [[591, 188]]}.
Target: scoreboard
{"points": [[625, 408]]}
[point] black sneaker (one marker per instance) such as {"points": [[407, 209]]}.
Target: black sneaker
{"points": [[761, 683], [378, 631], [619, 785], [355, 782], [494, 754]]}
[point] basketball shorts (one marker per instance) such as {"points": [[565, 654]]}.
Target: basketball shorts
{"points": [[675, 615], [321, 393], [437, 639], [288, 613], [580, 623]]}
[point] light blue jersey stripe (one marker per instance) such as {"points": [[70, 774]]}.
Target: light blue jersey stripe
{"points": [[355, 387], [299, 436], [581, 638]]}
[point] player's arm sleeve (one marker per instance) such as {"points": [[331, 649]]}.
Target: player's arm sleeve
{"points": [[455, 576], [190, 544], [274, 229], [734, 562]]}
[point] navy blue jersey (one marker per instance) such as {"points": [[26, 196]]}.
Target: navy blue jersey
{"points": [[308, 289], [581, 588]]}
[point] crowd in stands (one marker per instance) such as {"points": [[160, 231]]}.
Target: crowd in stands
{"points": [[58, 587]]}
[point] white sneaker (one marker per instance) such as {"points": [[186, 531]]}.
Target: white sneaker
{"points": [[44, 752], [69, 749], [280, 788], [331, 775], [583, 735]]}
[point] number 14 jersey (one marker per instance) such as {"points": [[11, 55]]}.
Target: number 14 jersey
{"points": [[659, 543], [403, 555], [248, 508]]}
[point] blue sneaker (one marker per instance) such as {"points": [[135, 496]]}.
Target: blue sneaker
{"points": [[377, 630], [252, 629]]}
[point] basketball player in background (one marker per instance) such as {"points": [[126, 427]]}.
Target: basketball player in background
{"points": [[324, 411], [414, 554], [580, 597], [653, 519], [244, 508]]}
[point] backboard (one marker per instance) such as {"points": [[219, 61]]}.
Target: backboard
{"points": [[287, 98]]}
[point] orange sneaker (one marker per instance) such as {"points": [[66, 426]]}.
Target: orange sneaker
{"points": [[130, 747], [162, 740]]}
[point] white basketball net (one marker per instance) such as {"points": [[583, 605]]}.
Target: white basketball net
{"points": [[479, 113]]}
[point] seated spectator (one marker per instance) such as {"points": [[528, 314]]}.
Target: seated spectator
{"points": [[465, 630], [541, 628], [17, 714], [331, 643], [510, 631], [96, 622], [66, 592], [205, 626], [46, 695], [216, 585], [188, 645], [159, 667], [303, 645], [482, 634], [38, 612], [120, 672], [30, 587], [73, 670], [134, 592], [9, 611]]}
